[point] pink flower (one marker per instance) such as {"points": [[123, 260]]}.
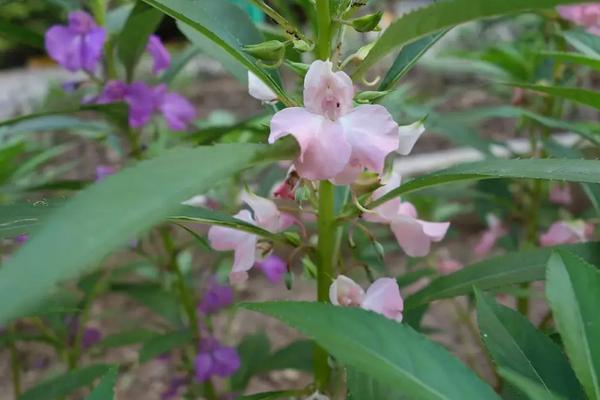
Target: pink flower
{"points": [[586, 15], [561, 195], [265, 215], [382, 297], [337, 140], [562, 232], [447, 265], [489, 237], [259, 90], [159, 53], [413, 235]]}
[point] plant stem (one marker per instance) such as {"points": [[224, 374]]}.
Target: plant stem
{"points": [[325, 254], [15, 364], [287, 26], [324, 28], [99, 11]]}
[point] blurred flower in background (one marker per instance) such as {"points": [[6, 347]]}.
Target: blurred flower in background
{"points": [[214, 359]]}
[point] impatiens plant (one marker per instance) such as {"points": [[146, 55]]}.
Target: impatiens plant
{"points": [[164, 244]]}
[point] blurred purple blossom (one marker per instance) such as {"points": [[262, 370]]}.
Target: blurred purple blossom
{"points": [[172, 390], [216, 297], [20, 239], [273, 267], [78, 45], [90, 335], [214, 359], [159, 53], [103, 171]]}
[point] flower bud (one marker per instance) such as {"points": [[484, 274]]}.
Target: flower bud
{"points": [[367, 23], [303, 46], [369, 96], [299, 68], [271, 52]]}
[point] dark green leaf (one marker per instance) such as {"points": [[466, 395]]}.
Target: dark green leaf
{"points": [[533, 390], [515, 344], [575, 58], [390, 352], [253, 352], [162, 344], [106, 388], [126, 338], [582, 96], [297, 355], [362, 387], [155, 298], [21, 34], [573, 290], [17, 219], [270, 395]]}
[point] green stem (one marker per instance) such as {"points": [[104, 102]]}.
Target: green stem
{"points": [[290, 30], [15, 364], [98, 11], [325, 257], [323, 47]]}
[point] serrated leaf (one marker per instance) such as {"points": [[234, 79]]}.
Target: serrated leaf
{"points": [[442, 15], [387, 351], [515, 344], [497, 272], [573, 290]]}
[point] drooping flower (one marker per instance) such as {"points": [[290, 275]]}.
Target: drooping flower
{"points": [[265, 215], [561, 195], [159, 53], [337, 140], [214, 359], [382, 297], [78, 45], [490, 236], [563, 232], [216, 297], [586, 15], [259, 90], [273, 267], [413, 235]]}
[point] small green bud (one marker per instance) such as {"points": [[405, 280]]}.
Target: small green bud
{"points": [[367, 23], [299, 68], [303, 46], [289, 280], [271, 52], [369, 96]]}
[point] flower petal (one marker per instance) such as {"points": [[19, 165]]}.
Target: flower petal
{"points": [[327, 93], [259, 90], [243, 260], [92, 48], [373, 134], [225, 239], [409, 134], [324, 151], [411, 237], [266, 213], [383, 297], [64, 46], [177, 110], [345, 292], [386, 212], [159, 53]]}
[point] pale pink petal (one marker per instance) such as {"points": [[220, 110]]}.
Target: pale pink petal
{"points": [[259, 90], [349, 175], [561, 194], [409, 134], [486, 243], [411, 237], [243, 260], [373, 134], [562, 232], [225, 239], [327, 93], [448, 265], [436, 231], [324, 151], [383, 297], [407, 209], [345, 292], [386, 212], [265, 211], [571, 13]]}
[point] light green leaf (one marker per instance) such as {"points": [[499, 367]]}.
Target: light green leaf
{"points": [[17, 219], [443, 15], [497, 272], [110, 213], [515, 344], [575, 58], [585, 42], [533, 390], [387, 351], [106, 388], [141, 23], [573, 291], [66, 383], [582, 96]]}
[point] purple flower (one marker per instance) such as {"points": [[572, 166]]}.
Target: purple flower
{"points": [[216, 297], [215, 359], [103, 171], [173, 389], [160, 54], [21, 238], [78, 45], [273, 267], [176, 109], [90, 337]]}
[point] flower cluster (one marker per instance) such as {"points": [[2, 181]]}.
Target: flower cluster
{"points": [[586, 15], [215, 359], [79, 46], [216, 297]]}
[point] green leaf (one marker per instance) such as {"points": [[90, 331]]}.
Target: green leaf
{"points": [[270, 395], [497, 272], [444, 15], [179, 62], [253, 352], [575, 58], [106, 388], [515, 344], [17, 219], [162, 344], [388, 351], [155, 298], [227, 26], [533, 390], [582, 96], [110, 213], [141, 23], [583, 41], [66, 383], [362, 387], [573, 290], [21, 34], [587, 171], [407, 58], [297, 355]]}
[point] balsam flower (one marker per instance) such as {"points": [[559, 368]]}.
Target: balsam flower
{"points": [[561, 195], [563, 232], [490, 236], [337, 140], [382, 297], [78, 45], [216, 297], [159, 53], [265, 215], [413, 235], [214, 359], [273, 267], [586, 15], [259, 90]]}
